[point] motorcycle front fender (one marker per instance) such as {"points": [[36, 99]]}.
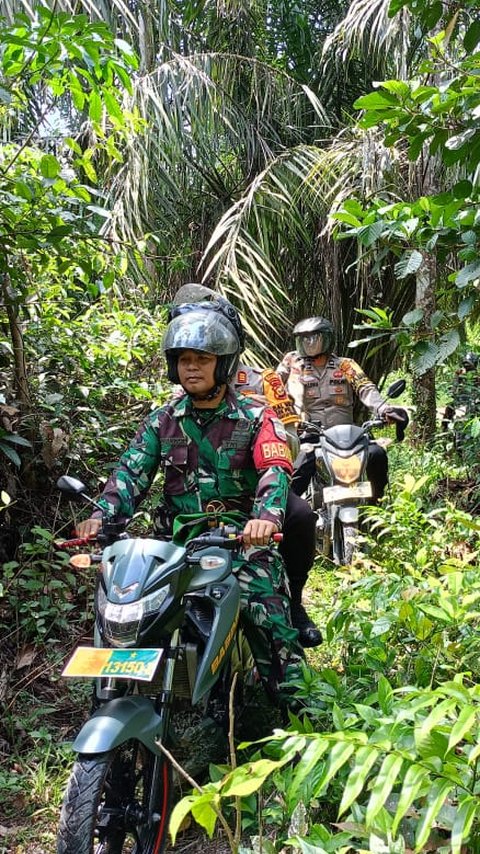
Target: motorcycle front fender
{"points": [[116, 722], [348, 515]]}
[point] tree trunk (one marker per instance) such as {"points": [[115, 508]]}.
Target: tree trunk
{"points": [[424, 391], [16, 336]]}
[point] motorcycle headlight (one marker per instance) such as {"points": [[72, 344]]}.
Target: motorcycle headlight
{"points": [[122, 622], [346, 469]]}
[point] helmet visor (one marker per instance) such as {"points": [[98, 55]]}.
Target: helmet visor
{"points": [[201, 330], [314, 344]]}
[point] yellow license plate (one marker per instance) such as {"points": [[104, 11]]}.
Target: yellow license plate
{"points": [[346, 493], [89, 662]]}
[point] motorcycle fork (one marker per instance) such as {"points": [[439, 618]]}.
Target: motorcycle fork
{"points": [[163, 705]]}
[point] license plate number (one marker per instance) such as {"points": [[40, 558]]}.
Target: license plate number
{"points": [[346, 493], [89, 662]]}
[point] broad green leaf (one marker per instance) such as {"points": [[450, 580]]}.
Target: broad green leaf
{"points": [[468, 808], [413, 317], [364, 761], [384, 783], [412, 783], [468, 274], [179, 812], [95, 107], [249, 778], [464, 723], [436, 797], [10, 453], [15, 439], [376, 101], [385, 694], [204, 814], [436, 716], [368, 234], [310, 759], [472, 36], [339, 754], [49, 166], [408, 264]]}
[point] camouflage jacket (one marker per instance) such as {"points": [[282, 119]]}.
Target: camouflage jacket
{"points": [[325, 394], [235, 454]]}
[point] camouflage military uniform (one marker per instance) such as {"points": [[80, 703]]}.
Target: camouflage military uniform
{"points": [[237, 454]]}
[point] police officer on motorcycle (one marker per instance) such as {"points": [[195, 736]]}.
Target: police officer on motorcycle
{"points": [[323, 387]]}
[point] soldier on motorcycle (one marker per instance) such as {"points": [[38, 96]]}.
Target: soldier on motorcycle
{"points": [[323, 387], [264, 385], [220, 453]]}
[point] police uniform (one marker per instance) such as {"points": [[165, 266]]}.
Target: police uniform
{"points": [[323, 392]]}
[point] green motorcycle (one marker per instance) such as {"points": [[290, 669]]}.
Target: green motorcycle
{"points": [[165, 630]]}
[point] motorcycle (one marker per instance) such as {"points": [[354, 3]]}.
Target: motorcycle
{"points": [[340, 485], [166, 642]]}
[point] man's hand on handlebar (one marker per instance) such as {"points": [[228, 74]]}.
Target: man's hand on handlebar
{"points": [[258, 532], [88, 528]]}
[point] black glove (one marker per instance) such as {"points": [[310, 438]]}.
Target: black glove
{"points": [[399, 416]]}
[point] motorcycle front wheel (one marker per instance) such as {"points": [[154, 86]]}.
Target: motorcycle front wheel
{"points": [[344, 542], [106, 806]]}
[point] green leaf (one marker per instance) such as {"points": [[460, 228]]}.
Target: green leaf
{"points": [[95, 107], [49, 166], [179, 812], [412, 783], [310, 759], [436, 797], [468, 274], [339, 754], [249, 778], [10, 453], [465, 307], [15, 439], [436, 716], [204, 814], [413, 317], [376, 101], [364, 761], [464, 723], [472, 36], [462, 189], [409, 263], [468, 808], [424, 357], [384, 783], [369, 234]]}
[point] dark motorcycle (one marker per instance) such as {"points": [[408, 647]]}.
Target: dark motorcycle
{"points": [[166, 619], [340, 485]]}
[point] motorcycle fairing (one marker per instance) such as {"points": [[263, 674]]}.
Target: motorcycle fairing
{"points": [[224, 600], [135, 567], [345, 437], [118, 721]]}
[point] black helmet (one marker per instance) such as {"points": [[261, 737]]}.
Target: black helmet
{"points": [[314, 336], [207, 331], [193, 296], [470, 361]]}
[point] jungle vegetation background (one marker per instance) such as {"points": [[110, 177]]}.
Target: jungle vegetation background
{"points": [[302, 157]]}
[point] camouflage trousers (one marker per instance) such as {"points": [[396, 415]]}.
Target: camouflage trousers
{"points": [[266, 619]]}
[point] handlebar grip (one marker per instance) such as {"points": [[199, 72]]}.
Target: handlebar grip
{"points": [[77, 541]]}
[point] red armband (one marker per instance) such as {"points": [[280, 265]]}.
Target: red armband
{"points": [[271, 448]]}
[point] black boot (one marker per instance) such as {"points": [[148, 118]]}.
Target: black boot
{"points": [[308, 633]]}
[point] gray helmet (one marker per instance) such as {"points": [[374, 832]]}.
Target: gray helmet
{"points": [[206, 331], [314, 336], [193, 296]]}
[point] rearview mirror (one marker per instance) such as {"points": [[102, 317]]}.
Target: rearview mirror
{"points": [[396, 388]]}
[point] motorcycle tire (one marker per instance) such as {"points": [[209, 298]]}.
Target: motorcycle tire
{"points": [[344, 543], [105, 798]]}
